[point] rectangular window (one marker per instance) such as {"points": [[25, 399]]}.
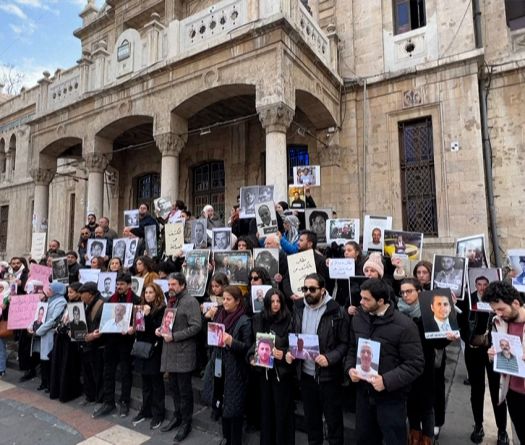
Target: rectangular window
{"points": [[208, 188], [408, 15], [297, 155], [418, 182], [515, 13], [148, 189], [4, 220]]}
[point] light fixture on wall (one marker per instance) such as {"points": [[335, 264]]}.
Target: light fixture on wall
{"points": [[205, 131]]}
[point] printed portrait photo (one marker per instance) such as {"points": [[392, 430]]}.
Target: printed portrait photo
{"points": [[342, 230], [517, 262], [448, 272], [96, 247], [264, 344], [167, 321], [509, 354], [304, 346], [131, 251], [119, 249], [316, 222], [296, 198], [150, 236], [216, 334], [222, 239], [473, 249], [235, 265], [139, 322], [162, 207], [137, 284], [373, 232], [403, 243], [307, 175], [40, 316], [107, 282], [196, 272], [438, 313], [265, 193], [131, 218], [258, 293], [367, 364], [479, 279], [266, 218], [267, 259], [60, 270], [116, 318], [249, 197], [199, 236], [77, 321]]}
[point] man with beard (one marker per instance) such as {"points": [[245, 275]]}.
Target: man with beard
{"points": [[145, 219], [448, 276], [109, 233], [317, 221], [179, 353], [199, 235], [91, 223], [320, 379], [507, 304], [72, 266]]}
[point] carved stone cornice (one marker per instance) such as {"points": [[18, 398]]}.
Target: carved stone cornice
{"points": [[42, 176], [96, 162], [169, 144], [276, 117]]}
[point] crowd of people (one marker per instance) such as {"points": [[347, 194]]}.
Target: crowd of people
{"points": [[405, 385]]}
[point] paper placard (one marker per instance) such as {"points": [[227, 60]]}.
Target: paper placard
{"points": [[40, 273], [174, 234], [22, 311], [299, 266], [341, 268], [38, 245]]}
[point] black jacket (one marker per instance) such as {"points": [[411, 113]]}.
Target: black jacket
{"points": [[401, 356], [152, 321], [333, 339], [146, 220]]}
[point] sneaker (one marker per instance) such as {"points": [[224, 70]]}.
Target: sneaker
{"points": [[437, 430], [503, 438], [124, 409], [478, 434], [103, 410], [155, 424], [140, 417]]}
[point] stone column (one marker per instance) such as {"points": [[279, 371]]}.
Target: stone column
{"points": [[170, 145], [96, 164], [276, 119], [42, 178], [8, 165]]}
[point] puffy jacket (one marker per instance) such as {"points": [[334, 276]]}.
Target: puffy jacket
{"points": [[401, 356]]}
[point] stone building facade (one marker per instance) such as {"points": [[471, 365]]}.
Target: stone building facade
{"points": [[194, 99]]}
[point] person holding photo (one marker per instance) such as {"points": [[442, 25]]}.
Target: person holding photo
{"points": [[507, 304], [276, 384], [149, 368], [226, 374]]}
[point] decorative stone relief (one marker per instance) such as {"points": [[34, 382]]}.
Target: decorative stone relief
{"points": [[276, 117], [96, 162], [210, 78], [41, 176], [169, 144], [124, 109], [413, 98]]}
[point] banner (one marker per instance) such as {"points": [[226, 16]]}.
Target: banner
{"points": [[22, 310]]}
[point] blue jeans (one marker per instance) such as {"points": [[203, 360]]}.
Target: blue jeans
{"points": [[3, 355]]}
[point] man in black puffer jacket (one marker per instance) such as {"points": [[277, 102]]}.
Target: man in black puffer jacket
{"points": [[381, 399]]}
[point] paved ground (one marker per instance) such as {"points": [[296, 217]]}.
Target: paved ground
{"points": [[28, 417]]}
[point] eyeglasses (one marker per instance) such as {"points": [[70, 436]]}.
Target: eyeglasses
{"points": [[255, 277], [406, 292], [310, 289]]}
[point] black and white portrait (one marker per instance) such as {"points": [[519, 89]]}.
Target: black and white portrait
{"points": [[150, 235], [199, 236], [222, 239], [137, 283], [316, 222], [96, 247], [342, 230], [60, 270], [249, 198], [131, 218], [77, 321], [472, 248], [162, 207], [266, 218], [131, 251], [448, 272], [373, 232], [119, 249], [196, 271], [106, 284], [267, 259], [265, 193]]}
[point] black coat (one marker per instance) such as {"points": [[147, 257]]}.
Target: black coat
{"points": [[401, 355], [333, 339], [152, 321], [147, 220]]}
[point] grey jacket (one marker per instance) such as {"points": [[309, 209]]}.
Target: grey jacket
{"points": [[46, 332], [180, 355]]}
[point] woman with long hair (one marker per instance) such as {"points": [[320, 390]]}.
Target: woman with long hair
{"points": [[145, 268], [115, 265], [275, 384], [423, 274], [152, 306], [225, 391], [98, 263]]}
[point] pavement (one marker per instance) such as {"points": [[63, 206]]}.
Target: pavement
{"points": [[29, 417]]}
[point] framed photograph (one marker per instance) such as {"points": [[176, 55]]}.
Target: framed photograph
{"points": [[264, 344], [473, 249], [479, 279], [267, 259], [131, 218], [266, 218], [137, 284], [299, 266], [517, 262], [139, 321], [438, 313], [60, 270], [77, 321], [304, 346], [150, 237], [258, 293], [316, 222], [373, 232], [265, 193], [222, 239], [96, 247], [88, 275], [448, 272], [119, 249], [341, 268], [296, 198], [40, 316], [107, 283], [196, 271], [167, 321], [174, 238], [216, 334], [162, 207], [249, 197], [40, 273], [116, 318], [509, 353], [368, 353], [235, 265], [342, 230], [403, 243], [131, 251], [199, 236], [307, 175]]}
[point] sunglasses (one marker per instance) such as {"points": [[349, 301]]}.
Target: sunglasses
{"points": [[310, 289], [255, 277]]}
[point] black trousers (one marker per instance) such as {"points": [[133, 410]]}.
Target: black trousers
{"points": [[45, 371], [117, 354], [516, 404], [322, 399], [182, 393], [277, 410], [92, 374], [153, 396], [439, 391], [232, 430], [379, 421], [26, 360], [477, 362], [420, 407]]}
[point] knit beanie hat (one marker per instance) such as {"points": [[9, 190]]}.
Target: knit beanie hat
{"points": [[375, 262], [58, 288]]}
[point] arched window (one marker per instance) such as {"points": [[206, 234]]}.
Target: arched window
{"points": [[12, 151]]}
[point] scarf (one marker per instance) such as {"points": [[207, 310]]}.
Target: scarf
{"points": [[115, 298], [4, 296], [292, 235], [229, 319], [172, 300], [412, 310]]}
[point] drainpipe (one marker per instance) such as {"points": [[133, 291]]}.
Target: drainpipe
{"points": [[487, 150]]}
